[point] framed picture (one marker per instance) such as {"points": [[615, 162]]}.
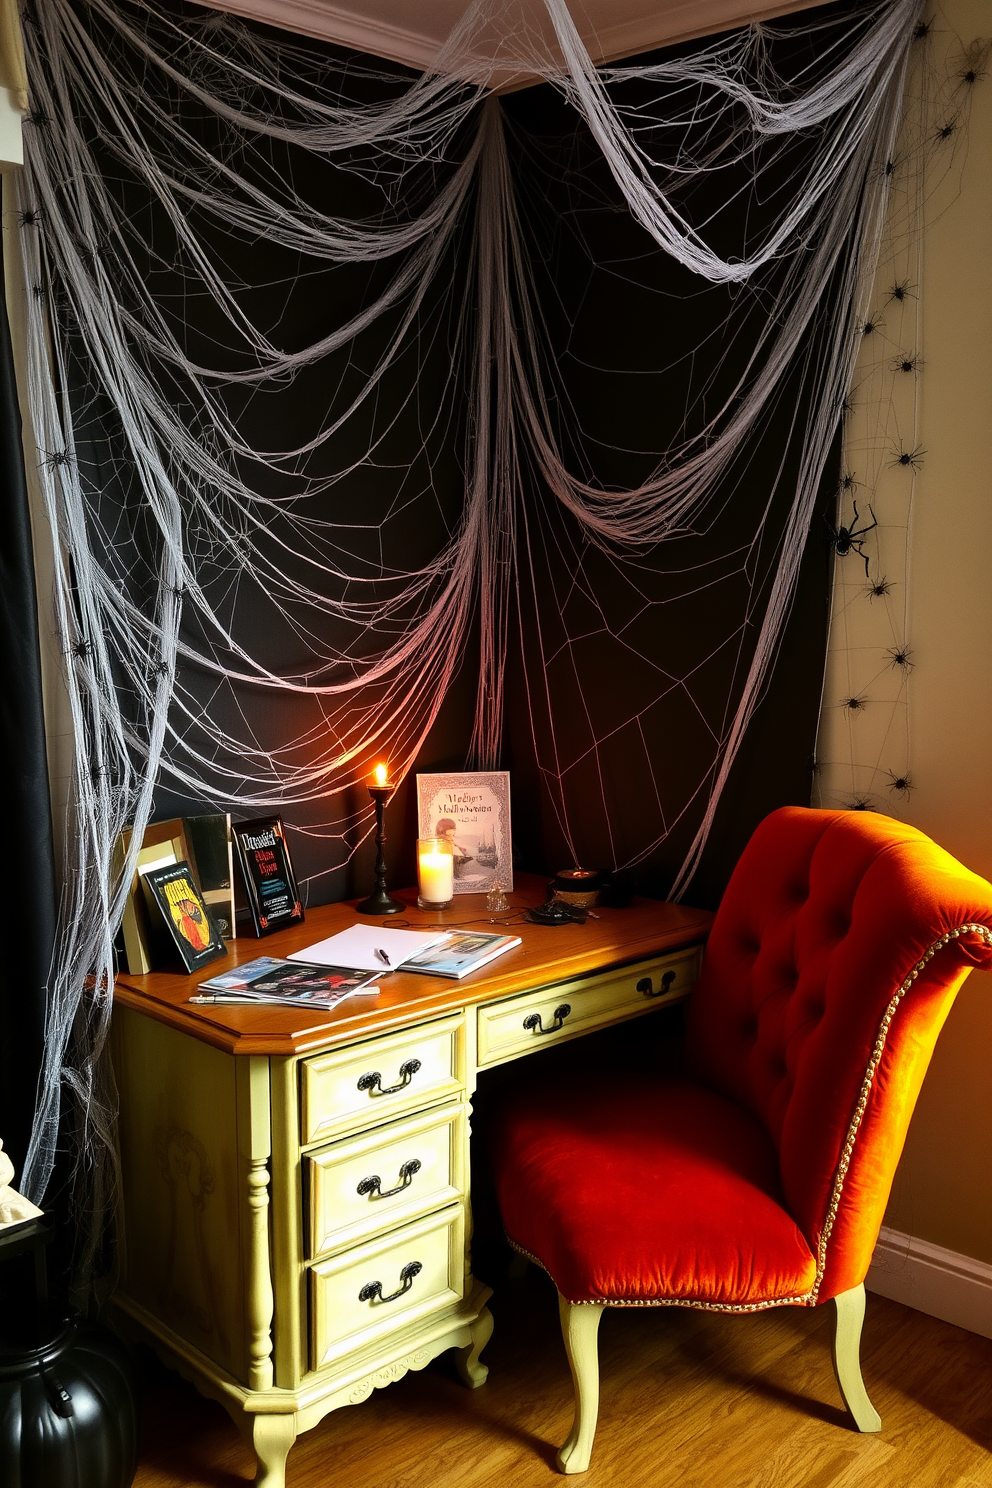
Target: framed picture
{"points": [[270, 882], [473, 812], [188, 920], [164, 843], [213, 866]]}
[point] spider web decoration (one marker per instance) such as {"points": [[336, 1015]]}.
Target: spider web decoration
{"points": [[867, 757], [215, 554]]}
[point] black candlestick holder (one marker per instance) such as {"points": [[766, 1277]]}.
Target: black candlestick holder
{"points": [[380, 901]]}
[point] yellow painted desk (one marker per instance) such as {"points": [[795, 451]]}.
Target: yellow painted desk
{"points": [[296, 1187]]}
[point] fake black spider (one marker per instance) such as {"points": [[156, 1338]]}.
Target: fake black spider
{"points": [[851, 539], [870, 326], [902, 290], [946, 130], [848, 481], [908, 363], [854, 704], [878, 587], [900, 785], [901, 656], [923, 30], [57, 459], [912, 458], [860, 803], [30, 218]]}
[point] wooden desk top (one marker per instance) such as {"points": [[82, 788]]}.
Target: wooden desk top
{"points": [[546, 955]]}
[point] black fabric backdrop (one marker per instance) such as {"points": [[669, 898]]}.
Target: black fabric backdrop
{"points": [[27, 879], [610, 298]]}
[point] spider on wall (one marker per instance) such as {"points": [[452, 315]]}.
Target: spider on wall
{"points": [[851, 539], [900, 785]]}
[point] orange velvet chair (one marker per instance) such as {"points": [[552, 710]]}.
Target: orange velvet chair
{"points": [[759, 1179]]}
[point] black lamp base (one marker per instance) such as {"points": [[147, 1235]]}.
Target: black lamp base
{"points": [[381, 903]]}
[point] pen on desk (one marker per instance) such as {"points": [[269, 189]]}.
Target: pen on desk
{"points": [[383, 957]]}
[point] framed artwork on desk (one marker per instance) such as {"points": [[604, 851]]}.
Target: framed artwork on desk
{"points": [[473, 812]]}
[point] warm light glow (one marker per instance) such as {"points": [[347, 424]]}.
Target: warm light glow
{"points": [[382, 774]]}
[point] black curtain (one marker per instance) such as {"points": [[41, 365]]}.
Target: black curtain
{"points": [[27, 871]]}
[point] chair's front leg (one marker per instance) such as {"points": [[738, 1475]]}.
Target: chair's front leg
{"points": [[579, 1328], [847, 1359]]}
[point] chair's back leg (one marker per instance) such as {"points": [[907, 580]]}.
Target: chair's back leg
{"points": [[580, 1329], [847, 1359]]}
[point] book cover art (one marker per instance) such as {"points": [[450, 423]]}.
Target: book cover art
{"points": [[270, 882], [472, 811], [174, 892]]}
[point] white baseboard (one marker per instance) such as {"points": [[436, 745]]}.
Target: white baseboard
{"points": [[934, 1280]]}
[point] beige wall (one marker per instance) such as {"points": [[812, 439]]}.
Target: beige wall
{"points": [[934, 542]]}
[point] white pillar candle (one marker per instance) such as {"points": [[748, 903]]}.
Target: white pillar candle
{"points": [[436, 876]]}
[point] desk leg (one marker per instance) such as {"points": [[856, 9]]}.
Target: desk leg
{"points": [[272, 1436], [471, 1370]]}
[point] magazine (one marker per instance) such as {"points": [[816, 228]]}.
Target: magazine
{"points": [[461, 953], [291, 983]]}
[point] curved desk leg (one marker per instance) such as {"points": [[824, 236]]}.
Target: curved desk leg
{"points": [[272, 1436], [471, 1370]]}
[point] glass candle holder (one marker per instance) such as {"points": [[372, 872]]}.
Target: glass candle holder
{"points": [[435, 872]]}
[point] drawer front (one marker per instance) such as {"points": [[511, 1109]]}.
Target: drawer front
{"points": [[377, 1288], [359, 1188], [534, 1020], [372, 1082]]}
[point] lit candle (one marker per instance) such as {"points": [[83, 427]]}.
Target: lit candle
{"points": [[381, 775], [435, 873]]}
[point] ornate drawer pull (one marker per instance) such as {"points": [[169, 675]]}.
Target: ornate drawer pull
{"points": [[371, 1184], [372, 1082], [372, 1290], [646, 985], [561, 1012]]}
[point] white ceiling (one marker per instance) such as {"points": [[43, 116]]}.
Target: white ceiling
{"points": [[412, 31]]}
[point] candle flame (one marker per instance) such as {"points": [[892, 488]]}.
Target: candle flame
{"points": [[381, 774]]}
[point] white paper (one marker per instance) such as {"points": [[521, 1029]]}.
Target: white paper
{"points": [[356, 947]]}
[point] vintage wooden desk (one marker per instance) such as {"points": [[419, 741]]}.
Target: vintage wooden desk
{"points": [[296, 1187]]}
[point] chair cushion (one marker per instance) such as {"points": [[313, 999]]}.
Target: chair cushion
{"points": [[661, 1192]]}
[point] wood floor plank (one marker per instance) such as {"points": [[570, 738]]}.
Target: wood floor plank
{"points": [[690, 1400]]}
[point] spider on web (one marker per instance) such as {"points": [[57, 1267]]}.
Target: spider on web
{"points": [[851, 539], [900, 785]]}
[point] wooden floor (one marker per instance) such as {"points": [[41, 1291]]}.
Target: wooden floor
{"points": [[689, 1398]]}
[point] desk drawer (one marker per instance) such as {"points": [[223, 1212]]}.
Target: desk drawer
{"points": [[380, 1287], [358, 1188], [372, 1082], [534, 1020]]}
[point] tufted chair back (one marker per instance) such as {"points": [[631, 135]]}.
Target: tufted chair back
{"points": [[833, 961]]}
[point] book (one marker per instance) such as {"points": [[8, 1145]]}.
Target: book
{"points": [[270, 882], [291, 983], [194, 933], [461, 953], [472, 812], [370, 947]]}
